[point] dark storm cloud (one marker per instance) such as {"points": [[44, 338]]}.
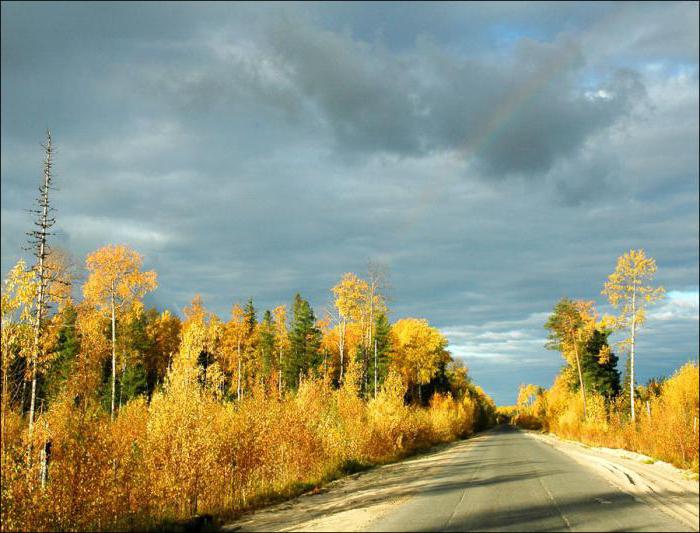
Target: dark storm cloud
{"points": [[514, 117], [496, 157]]}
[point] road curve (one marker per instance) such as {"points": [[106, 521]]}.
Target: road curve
{"points": [[502, 480]]}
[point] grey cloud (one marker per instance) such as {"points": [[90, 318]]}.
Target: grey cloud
{"points": [[244, 156]]}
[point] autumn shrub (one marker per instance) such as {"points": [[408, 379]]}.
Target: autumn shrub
{"points": [[666, 428], [188, 452]]}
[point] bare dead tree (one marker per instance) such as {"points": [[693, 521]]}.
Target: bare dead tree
{"points": [[39, 246]]}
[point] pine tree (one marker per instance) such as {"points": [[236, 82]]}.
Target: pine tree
{"points": [[65, 351], [305, 340], [379, 362], [599, 366], [267, 344]]}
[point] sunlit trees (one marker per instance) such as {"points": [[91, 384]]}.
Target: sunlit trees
{"points": [[349, 294], [418, 350], [115, 282], [19, 291], [571, 325], [233, 346], [630, 291], [374, 305], [279, 315], [163, 331], [158, 437]]}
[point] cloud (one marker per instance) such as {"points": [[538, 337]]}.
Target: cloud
{"points": [[497, 158]]}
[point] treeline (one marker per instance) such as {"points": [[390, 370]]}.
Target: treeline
{"points": [[207, 416], [118, 416], [589, 401]]}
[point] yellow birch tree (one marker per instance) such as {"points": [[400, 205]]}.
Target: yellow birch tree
{"points": [[630, 291], [115, 282]]}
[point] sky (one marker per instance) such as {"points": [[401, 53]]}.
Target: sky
{"points": [[494, 157]]}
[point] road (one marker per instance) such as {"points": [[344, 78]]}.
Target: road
{"points": [[503, 480]]}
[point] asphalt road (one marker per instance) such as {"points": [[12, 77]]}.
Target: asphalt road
{"points": [[511, 482], [501, 480]]}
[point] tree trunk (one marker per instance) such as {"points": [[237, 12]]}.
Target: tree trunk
{"points": [[375, 368], [114, 352], [44, 224], [580, 380], [279, 357], [634, 323], [342, 348], [4, 410], [239, 372]]}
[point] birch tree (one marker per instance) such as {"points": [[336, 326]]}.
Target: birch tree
{"points": [[349, 295], [115, 282], [279, 314], [629, 290], [571, 325]]}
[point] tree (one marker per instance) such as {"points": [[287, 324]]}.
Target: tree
{"points": [[305, 341], [115, 282], [279, 314], [629, 290], [599, 365], [571, 325], [349, 294], [374, 304], [233, 346], [18, 297], [379, 364], [418, 351], [267, 344], [39, 245], [66, 348], [163, 331]]}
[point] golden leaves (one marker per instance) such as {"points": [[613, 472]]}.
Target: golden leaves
{"points": [[114, 273], [418, 349]]}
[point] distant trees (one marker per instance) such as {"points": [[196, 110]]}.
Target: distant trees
{"points": [[630, 291]]}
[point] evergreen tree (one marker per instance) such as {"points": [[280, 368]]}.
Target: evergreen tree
{"points": [[267, 343], [599, 366], [305, 341], [133, 382], [66, 350], [249, 318], [382, 340]]}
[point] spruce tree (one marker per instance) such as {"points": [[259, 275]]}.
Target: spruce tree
{"points": [[305, 342], [380, 350], [267, 343], [599, 366]]}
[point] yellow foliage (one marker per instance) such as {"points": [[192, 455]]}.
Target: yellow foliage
{"points": [[418, 349], [667, 430]]}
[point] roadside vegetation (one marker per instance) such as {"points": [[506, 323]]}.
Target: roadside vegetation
{"points": [[589, 402], [117, 416]]}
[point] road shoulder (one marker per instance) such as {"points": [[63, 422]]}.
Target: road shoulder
{"points": [[658, 484], [353, 502]]}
